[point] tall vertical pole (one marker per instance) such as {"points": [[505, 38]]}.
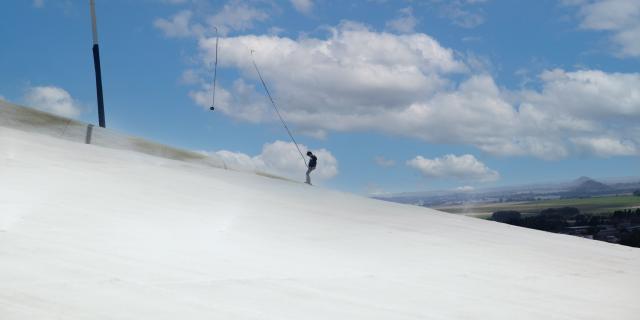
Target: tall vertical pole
{"points": [[96, 64]]}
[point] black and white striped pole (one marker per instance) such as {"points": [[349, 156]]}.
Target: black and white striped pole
{"points": [[96, 64]]}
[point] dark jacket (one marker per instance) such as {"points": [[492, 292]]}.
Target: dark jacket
{"points": [[313, 161]]}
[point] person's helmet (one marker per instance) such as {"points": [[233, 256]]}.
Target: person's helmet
{"points": [[309, 153]]}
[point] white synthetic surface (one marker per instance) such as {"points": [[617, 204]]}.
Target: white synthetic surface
{"points": [[88, 232]]}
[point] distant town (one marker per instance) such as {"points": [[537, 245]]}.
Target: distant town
{"points": [[607, 210], [622, 226]]}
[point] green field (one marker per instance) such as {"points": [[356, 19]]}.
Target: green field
{"points": [[594, 205]]}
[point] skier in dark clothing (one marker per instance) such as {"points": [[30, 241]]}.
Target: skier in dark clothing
{"points": [[312, 165]]}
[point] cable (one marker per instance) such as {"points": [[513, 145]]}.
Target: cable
{"points": [[215, 74], [276, 108]]}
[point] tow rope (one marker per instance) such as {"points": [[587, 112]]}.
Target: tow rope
{"points": [[266, 89], [215, 74]]}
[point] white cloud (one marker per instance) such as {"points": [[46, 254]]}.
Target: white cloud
{"points": [[283, 159], [275, 31], [381, 161], [465, 189], [409, 85], [242, 101], [583, 104], [329, 84], [619, 17], [304, 6], [607, 147], [406, 22], [191, 76], [465, 167], [590, 93], [177, 26], [65, 5], [53, 99], [463, 13], [236, 16]]}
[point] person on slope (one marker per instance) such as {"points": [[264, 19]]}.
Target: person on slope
{"points": [[312, 165]]}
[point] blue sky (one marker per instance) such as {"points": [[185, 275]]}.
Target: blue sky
{"points": [[392, 95]]}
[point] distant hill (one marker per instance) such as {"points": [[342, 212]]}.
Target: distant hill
{"points": [[581, 180], [588, 186], [581, 187]]}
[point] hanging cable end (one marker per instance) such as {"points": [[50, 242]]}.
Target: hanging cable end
{"points": [[212, 108]]}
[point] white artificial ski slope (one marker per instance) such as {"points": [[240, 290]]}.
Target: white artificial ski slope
{"points": [[88, 232]]}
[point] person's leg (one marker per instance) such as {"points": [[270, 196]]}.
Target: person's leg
{"points": [[309, 177]]}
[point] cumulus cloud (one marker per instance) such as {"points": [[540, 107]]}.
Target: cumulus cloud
{"points": [[592, 93], [283, 159], [607, 147], [582, 105], [177, 26], [304, 6], [465, 167], [53, 99], [236, 15], [465, 189], [357, 79], [241, 101], [619, 17], [381, 161], [336, 82], [406, 22]]}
